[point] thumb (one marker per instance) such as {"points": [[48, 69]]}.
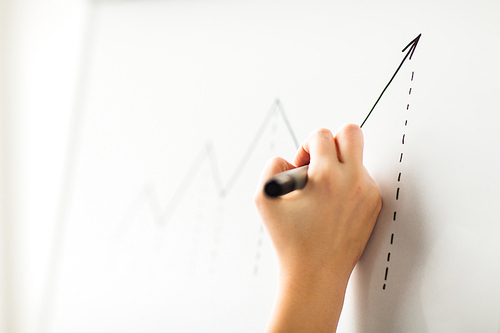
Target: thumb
{"points": [[274, 166]]}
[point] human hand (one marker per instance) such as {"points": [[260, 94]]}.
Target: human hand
{"points": [[320, 232]]}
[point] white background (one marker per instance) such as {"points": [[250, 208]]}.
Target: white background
{"points": [[160, 80]]}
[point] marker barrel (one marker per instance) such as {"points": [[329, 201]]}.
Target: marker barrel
{"points": [[286, 182]]}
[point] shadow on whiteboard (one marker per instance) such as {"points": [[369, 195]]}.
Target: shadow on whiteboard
{"points": [[388, 277]]}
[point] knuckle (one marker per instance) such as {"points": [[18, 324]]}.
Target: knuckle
{"points": [[351, 128], [276, 162], [323, 133], [350, 131]]}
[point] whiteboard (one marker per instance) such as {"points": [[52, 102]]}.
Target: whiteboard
{"points": [[182, 102]]}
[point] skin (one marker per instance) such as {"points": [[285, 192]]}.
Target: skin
{"points": [[321, 231]]}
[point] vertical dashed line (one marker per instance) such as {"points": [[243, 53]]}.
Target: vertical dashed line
{"points": [[216, 238], [394, 216], [259, 250]]}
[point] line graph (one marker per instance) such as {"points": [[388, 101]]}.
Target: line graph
{"points": [[163, 211], [175, 114], [208, 155]]}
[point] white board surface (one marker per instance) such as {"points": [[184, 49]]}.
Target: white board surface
{"points": [[184, 101]]}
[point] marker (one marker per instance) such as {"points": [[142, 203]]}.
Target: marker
{"points": [[286, 182]]}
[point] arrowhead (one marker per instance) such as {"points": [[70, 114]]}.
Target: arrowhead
{"points": [[412, 45]]}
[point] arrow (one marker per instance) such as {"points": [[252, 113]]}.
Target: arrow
{"points": [[412, 46]]}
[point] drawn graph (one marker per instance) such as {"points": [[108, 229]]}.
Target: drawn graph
{"points": [[196, 231], [204, 235], [208, 155], [205, 169], [157, 222]]}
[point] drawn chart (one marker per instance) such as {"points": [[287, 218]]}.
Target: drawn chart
{"points": [[208, 155], [181, 106], [205, 169]]}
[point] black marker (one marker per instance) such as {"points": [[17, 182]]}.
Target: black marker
{"points": [[286, 182]]}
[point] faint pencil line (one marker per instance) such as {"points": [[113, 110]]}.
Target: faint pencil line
{"points": [[208, 153]]}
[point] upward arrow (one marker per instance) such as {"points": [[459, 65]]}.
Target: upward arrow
{"points": [[411, 48]]}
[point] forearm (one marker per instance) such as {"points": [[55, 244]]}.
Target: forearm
{"points": [[308, 302]]}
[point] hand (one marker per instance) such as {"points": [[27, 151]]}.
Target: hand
{"points": [[320, 232]]}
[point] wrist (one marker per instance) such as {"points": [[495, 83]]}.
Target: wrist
{"points": [[309, 300], [316, 282], [316, 268]]}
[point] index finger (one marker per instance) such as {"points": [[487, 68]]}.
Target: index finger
{"points": [[318, 149], [349, 140]]}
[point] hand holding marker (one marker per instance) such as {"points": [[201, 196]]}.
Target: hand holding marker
{"points": [[296, 179]]}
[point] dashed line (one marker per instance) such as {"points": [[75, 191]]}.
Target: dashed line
{"points": [[394, 216], [259, 251]]}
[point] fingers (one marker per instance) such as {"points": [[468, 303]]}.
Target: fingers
{"points": [[321, 146], [323, 152], [273, 167], [318, 148], [349, 139]]}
